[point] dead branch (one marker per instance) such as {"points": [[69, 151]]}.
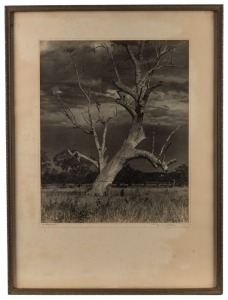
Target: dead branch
{"points": [[136, 65], [160, 50], [151, 88], [70, 116], [103, 147], [170, 162], [137, 153], [167, 142], [131, 54], [79, 155], [124, 88], [165, 150], [168, 65], [86, 120], [84, 91], [122, 101], [88, 97]]}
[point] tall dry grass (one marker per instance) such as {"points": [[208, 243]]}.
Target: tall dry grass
{"points": [[129, 205]]}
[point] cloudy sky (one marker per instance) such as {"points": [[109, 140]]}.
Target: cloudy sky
{"points": [[167, 105]]}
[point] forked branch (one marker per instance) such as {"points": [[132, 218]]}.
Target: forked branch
{"points": [[123, 102], [137, 153]]}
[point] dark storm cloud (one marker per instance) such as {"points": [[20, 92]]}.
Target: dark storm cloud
{"points": [[57, 69], [168, 105], [175, 86]]}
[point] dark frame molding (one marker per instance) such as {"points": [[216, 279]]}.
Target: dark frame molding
{"points": [[218, 148]]}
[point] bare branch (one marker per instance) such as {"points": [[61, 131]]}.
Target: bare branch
{"points": [[96, 140], [137, 153], [136, 65], [165, 150], [86, 120], [171, 162], [152, 88], [111, 57], [103, 148], [161, 50], [126, 89], [147, 155], [167, 142], [131, 54], [122, 101], [86, 93], [168, 65], [144, 96], [70, 116], [88, 97], [79, 155]]}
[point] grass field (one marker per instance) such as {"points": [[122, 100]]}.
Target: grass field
{"points": [[128, 205]]}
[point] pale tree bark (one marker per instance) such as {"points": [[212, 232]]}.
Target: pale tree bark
{"points": [[133, 100]]}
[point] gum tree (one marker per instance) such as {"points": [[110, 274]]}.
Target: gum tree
{"points": [[147, 59]]}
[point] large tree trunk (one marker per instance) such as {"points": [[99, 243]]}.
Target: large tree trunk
{"points": [[126, 153], [108, 174]]}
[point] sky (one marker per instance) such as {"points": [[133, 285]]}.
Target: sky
{"points": [[168, 105]]}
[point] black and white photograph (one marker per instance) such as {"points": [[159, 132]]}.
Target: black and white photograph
{"points": [[114, 141]]}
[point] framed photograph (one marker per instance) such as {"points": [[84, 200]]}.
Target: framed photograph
{"points": [[114, 138]]}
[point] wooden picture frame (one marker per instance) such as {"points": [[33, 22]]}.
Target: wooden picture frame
{"points": [[18, 185]]}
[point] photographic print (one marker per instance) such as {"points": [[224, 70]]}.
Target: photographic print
{"points": [[114, 131]]}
